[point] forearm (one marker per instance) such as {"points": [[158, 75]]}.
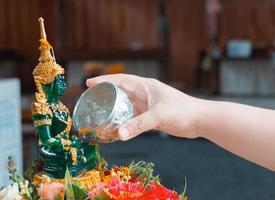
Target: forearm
{"points": [[244, 130]]}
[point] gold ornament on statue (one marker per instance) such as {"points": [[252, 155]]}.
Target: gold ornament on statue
{"points": [[59, 148], [45, 71]]}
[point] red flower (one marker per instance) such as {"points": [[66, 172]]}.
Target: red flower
{"points": [[119, 190], [158, 192], [124, 191]]}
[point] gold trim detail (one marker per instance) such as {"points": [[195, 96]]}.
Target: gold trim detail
{"points": [[74, 155], [41, 109], [47, 69], [42, 122], [66, 143], [60, 107], [87, 180]]}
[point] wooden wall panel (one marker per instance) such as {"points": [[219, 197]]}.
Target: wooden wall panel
{"points": [[19, 29], [111, 25], [88, 24], [2, 24], [249, 19], [141, 23], [92, 23], [186, 37], [236, 20], [104, 25]]}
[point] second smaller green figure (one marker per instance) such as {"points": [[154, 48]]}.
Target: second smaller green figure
{"points": [[58, 148]]}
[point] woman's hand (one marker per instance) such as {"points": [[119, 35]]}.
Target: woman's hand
{"points": [[244, 130], [156, 105]]}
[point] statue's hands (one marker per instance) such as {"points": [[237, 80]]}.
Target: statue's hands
{"points": [[76, 142], [54, 143]]}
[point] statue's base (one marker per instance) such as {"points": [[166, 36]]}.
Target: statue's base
{"points": [[86, 180]]}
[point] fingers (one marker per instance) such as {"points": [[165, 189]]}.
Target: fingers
{"points": [[117, 79], [129, 83], [143, 122], [110, 78], [137, 90]]}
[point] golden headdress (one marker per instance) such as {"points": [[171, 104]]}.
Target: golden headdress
{"points": [[47, 68]]}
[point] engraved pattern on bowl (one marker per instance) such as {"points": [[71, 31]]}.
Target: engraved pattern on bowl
{"points": [[100, 111]]}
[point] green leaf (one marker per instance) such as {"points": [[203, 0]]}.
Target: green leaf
{"points": [[182, 195], [58, 198], [144, 171], [32, 169], [97, 154], [16, 177], [68, 186], [35, 197], [102, 197], [80, 193]]}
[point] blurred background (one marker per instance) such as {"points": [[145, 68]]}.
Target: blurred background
{"points": [[215, 49]]}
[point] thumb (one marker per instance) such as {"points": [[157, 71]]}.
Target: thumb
{"points": [[143, 122]]}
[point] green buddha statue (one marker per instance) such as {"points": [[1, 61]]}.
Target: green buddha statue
{"points": [[58, 148]]}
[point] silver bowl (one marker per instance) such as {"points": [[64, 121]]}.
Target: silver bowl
{"points": [[100, 111]]}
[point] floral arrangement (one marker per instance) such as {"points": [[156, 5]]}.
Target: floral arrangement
{"points": [[134, 182]]}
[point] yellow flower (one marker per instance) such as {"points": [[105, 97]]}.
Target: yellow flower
{"points": [[89, 179]]}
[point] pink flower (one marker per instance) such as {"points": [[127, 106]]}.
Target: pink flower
{"points": [[49, 191], [124, 190], [97, 190]]}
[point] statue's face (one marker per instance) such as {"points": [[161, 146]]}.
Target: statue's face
{"points": [[55, 88], [59, 86]]}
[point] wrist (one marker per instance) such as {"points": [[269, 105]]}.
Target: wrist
{"points": [[205, 116]]}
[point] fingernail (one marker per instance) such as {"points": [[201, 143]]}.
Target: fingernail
{"points": [[87, 82], [124, 133]]}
